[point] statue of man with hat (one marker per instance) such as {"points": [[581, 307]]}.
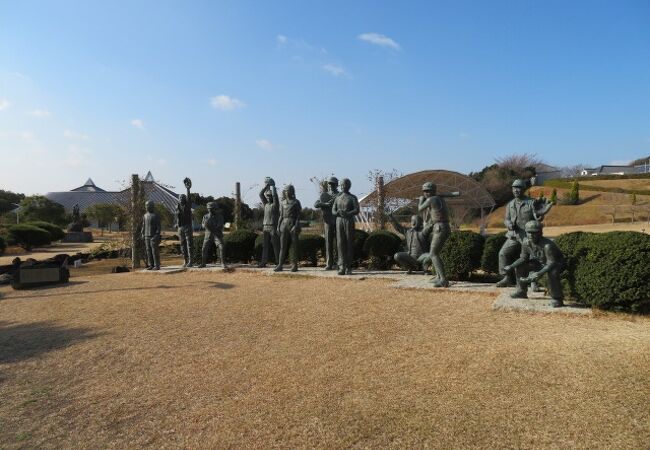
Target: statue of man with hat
{"points": [[213, 223], [519, 211], [436, 214], [330, 190]]}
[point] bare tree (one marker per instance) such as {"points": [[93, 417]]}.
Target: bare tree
{"points": [[519, 161]]}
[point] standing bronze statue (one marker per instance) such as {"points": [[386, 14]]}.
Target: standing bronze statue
{"points": [[151, 236], [213, 223], [539, 256], [519, 211], [289, 228], [345, 208], [418, 239], [437, 216], [271, 202], [325, 204], [184, 223]]}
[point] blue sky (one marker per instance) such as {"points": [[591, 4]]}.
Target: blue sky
{"points": [[237, 90]]}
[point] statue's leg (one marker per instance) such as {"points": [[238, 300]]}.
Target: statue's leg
{"points": [[284, 244], [155, 249], [265, 248], [190, 245], [522, 288], [330, 244], [295, 251], [275, 240], [183, 243], [349, 245], [405, 261], [424, 261], [221, 250], [340, 244], [205, 250], [147, 247], [554, 285], [440, 236], [507, 255]]}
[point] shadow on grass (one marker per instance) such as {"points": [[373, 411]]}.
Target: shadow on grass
{"points": [[23, 341], [222, 285], [80, 294]]}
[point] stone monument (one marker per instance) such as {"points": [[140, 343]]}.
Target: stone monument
{"points": [[289, 228], [151, 236], [75, 229], [184, 223], [345, 208], [418, 241], [436, 214], [271, 202], [325, 203]]}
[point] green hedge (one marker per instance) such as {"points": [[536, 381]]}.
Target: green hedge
{"points": [[311, 247], [360, 254], [609, 270], [240, 245], [259, 244], [490, 256], [380, 246], [28, 236], [587, 187], [461, 254], [56, 232]]}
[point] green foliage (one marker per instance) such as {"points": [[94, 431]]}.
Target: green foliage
{"points": [[497, 179], [633, 199], [490, 256], [564, 184], [240, 245], [28, 236], [461, 254], [380, 246], [554, 196], [311, 246], [574, 194], [3, 245], [199, 212], [104, 213], [166, 216], [360, 237], [37, 207], [8, 199], [56, 233], [259, 246], [608, 270]]}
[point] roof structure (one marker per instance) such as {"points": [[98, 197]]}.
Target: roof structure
{"points": [[408, 188], [89, 194]]}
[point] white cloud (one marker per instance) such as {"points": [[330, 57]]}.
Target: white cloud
{"points": [[267, 145], [4, 104], [77, 156], [212, 162], [336, 70], [379, 39], [281, 39], [138, 123], [25, 136], [69, 134], [40, 113], [226, 103]]}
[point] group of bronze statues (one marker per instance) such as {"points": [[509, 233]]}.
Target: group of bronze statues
{"points": [[523, 259]]}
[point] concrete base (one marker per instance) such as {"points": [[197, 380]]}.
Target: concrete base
{"points": [[537, 302], [164, 270], [211, 268], [77, 236]]}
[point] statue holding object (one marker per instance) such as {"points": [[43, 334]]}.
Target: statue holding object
{"points": [[184, 223], [325, 203], [417, 238], [271, 202], [437, 216]]}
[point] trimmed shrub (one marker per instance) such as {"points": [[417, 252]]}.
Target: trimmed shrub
{"points": [[56, 232], [611, 271], [3, 245], [197, 248], [574, 247], [311, 246], [28, 236], [360, 255], [490, 257], [240, 245], [380, 246], [461, 254]]}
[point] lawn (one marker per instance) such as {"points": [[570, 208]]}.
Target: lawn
{"points": [[226, 360]]}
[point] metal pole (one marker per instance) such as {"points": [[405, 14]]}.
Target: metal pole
{"points": [[380, 218]]}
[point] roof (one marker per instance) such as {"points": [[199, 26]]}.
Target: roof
{"points": [[89, 194], [409, 187]]}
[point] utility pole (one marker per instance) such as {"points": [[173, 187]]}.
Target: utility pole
{"points": [[237, 205]]}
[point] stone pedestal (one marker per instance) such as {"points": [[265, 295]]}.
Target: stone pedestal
{"points": [[77, 236]]}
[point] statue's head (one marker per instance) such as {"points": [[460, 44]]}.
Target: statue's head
{"points": [[518, 188], [290, 192], [182, 199], [333, 184], [533, 231], [268, 195], [416, 222], [212, 207], [346, 184], [150, 205], [429, 189]]}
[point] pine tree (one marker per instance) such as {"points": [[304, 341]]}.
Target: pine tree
{"points": [[554, 196]]}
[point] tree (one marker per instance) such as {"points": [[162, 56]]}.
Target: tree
{"points": [[574, 194], [166, 216], [37, 207], [554, 196], [8, 199], [104, 213]]}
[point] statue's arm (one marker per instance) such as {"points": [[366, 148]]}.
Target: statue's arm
{"points": [[508, 220], [355, 206], [274, 194], [262, 196], [298, 206], [423, 203], [157, 229], [541, 212], [553, 258], [335, 209], [523, 258]]}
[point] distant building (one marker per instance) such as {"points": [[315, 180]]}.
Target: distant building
{"points": [[615, 170], [90, 194], [545, 172]]}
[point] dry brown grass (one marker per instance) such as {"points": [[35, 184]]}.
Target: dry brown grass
{"points": [[224, 360]]}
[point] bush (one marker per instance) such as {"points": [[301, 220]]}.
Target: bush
{"points": [[490, 256], [380, 246], [574, 247], [55, 231], [3, 245], [28, 236], [610, 270], [311, 246], [360, 255], [240, 245], [461, 254]]}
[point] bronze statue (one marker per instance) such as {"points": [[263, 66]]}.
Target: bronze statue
{"points": [[539, 256], [418, 239], [519, 211], [151, 236], [345, 208], [271, 202], [289, 228], [184, 223], [325, 204], [437, 216], [213, 223]]}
